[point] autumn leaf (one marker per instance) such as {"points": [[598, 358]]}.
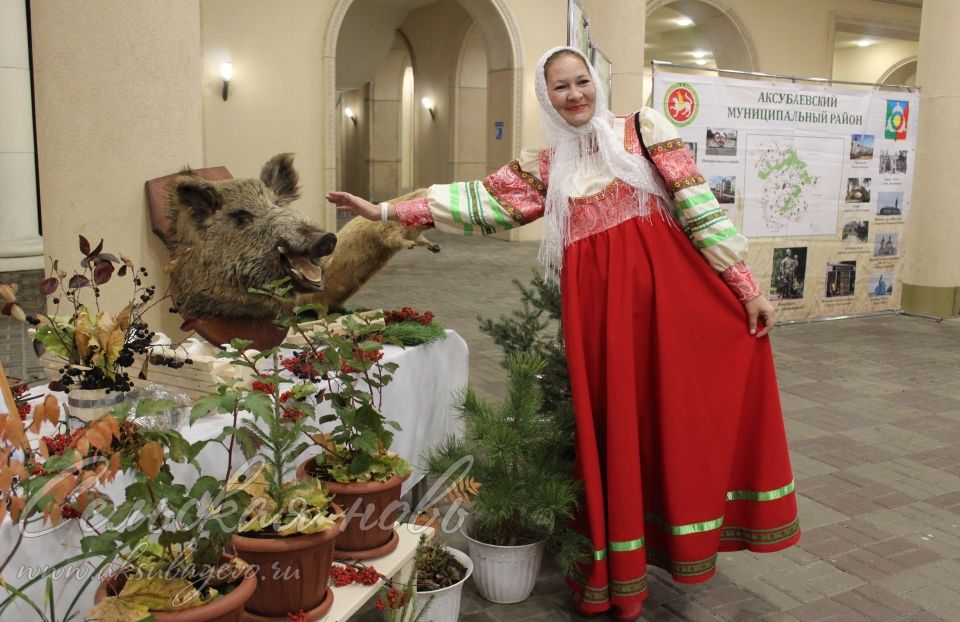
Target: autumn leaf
{"points": [[8, 292], [49, 410], [84, 246], [6, 479], [49, 285], [13, 431], [16, 507], [115, 609], [123, 318], [102, 272], [151, 458], [114, 467], [83, 335], [61, 487], [96, 438], [162, 594], [111, 338]]}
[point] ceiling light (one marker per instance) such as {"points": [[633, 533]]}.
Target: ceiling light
{"points": [[699, 53], [864, 42], [684, 21]]}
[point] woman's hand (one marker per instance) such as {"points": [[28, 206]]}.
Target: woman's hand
{"points": [[759, 308], [347, 202]]}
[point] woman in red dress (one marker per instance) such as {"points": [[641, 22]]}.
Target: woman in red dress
{"points": [[680, 438]]}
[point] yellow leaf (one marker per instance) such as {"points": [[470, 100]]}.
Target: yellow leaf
{"points": [[115, 609], [111, 338], [8, 292], [151, 459], [83, 334], [162, 594], [123, 318]]}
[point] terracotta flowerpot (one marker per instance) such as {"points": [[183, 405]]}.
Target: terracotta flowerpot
{"points": [[227, 608], [293, 573], [371, 509]]}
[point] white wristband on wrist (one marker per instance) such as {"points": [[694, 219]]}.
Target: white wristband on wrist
{"points": [[384, 211]]}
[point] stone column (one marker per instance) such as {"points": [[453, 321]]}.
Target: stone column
{"points": [[931, 275], [618, 27], [20, 245]]}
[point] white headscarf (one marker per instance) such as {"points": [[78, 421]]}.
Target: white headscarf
{"points": [[575, 152]]}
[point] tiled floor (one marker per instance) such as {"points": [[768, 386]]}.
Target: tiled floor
{"points": [[873, 415]]}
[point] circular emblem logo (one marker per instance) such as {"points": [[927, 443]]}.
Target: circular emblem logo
{"points": [[681, 104]]}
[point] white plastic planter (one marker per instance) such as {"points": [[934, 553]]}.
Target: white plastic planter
{"points": [[505, 574], [445, 602]]}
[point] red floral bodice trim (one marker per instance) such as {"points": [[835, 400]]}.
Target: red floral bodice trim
{"points": [[518, 192], [739, 278]]}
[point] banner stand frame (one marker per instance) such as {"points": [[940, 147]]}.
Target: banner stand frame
{"points": [[655, 64]]}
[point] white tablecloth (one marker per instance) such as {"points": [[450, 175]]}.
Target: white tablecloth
{"points": [[420, 399]]}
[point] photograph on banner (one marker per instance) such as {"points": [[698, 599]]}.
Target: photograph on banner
{"points": [[692, 148], [841, 279], [861, 146], [855, 232], [886, 245], [858, 190], [893, 161], [721, 141], [890, 204], [790, 185], [880, 284], [789, 273]]}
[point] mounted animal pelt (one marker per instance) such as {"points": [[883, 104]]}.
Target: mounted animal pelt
{"points": [[228, 236]]}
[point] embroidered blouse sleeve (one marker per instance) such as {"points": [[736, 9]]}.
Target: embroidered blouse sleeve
{"points": [[697, 209], [509, 197]]}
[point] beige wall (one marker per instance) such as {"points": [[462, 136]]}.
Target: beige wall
{"points": [[355, 141], [797, 37], [117, 103], [435, 33], [470, 131], [870, 63], [276, 99]]}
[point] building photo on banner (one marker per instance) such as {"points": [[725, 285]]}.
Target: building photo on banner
{"points": [[817, 177]]}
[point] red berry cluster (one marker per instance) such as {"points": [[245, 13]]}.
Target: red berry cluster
{"points": [[395, 600], [407, 314], [68, 511], [58, 443], [261, 386], [301, 365], [22, 407], [291, 414], [296, 617], [345, 575]]}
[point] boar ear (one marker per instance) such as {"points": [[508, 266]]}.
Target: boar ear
{"points": [[200, 196], [279, 175]]}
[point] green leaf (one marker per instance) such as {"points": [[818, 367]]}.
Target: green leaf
{"points": [[260, 404], [205, 405], [360, 464], [205, 485]]}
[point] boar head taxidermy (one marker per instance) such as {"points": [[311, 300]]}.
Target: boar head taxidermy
{"points": [[228, 236]]}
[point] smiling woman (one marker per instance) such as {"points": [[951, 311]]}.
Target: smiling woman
{"points": [[571, 89]]}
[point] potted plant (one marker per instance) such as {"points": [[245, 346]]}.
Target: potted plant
{"points": [[340, 364], [88, 349], [290, 527], [441, 572], [168, 541], [526, 496]]}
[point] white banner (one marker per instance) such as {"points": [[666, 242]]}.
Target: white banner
{"points": [[819, 179]]}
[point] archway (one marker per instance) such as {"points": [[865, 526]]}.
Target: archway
{"points": [[729, 43], [902, 72], [504, 54]]}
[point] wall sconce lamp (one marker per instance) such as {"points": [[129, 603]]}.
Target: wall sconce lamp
{"points": [[348, 112], [226, 72], [428, 104]]}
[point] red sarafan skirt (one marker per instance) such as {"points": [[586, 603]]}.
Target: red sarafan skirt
{"points": [[680, 438]]}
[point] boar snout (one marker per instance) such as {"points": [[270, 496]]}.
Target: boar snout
{"points": [[323, 246]]}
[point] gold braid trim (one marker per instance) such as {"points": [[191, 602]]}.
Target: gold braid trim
{"points": [[516, 214], [670, 145]]}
